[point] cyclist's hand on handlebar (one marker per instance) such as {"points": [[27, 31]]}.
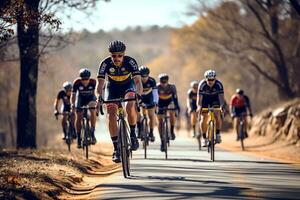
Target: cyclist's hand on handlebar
{"points": [[56, 113], [251, 115]]}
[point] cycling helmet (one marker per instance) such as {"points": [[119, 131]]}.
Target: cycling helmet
{"points": [[144, 70], [163, 77], [67, 85], [210, 74], [116, 46], [85, 73], [239, 91], [194, 83]]}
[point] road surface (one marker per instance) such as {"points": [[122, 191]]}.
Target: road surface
{"points": [[189, 174]]}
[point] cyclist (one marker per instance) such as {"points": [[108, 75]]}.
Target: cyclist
{"points": [[149, 98], [64, 97], [210, 93], [192, 105], [167, 98], [239, 105], [123, 81], [83, 94]]}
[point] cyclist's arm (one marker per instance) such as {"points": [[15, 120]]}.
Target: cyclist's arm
{"points": [[57, 103], [100, 85], [175, 99], [155, 95], [248, 105], [74, 90], [199, 101], [222, 100], [138, 83]]}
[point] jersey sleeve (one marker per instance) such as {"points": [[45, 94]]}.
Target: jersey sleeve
{"points": [[102, 70], [75, 86], [153, 83], [247, 101], [134, 67], [60, 95], [201, 88], [220, 88]]}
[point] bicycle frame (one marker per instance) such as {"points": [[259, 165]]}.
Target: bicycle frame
{"points": [[211, 130]]}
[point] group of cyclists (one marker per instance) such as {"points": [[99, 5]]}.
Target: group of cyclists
{"points": [[119, 76]]}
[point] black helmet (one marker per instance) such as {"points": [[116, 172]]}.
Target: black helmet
{"points": [[144, 70], [116, 46], [67, 85], [163, 77], [85, 73], [239, 91]]}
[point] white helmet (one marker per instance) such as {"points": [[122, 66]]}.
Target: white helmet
{"points": [[194, 83], [210, 74], [67, 85]]}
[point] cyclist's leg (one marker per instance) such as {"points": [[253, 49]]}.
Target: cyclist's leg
{"points": [[151, 116], [93, 103], [172, 122], [194, 121], [132, 119], [64, 124], [203, 127], [218, 126]]}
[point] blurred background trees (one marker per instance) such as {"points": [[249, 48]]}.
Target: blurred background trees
{"points": [[252, 44]]}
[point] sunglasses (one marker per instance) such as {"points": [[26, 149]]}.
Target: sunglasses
{"points": [[117, 55]]}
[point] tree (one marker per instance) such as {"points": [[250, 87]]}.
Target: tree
{"points": [[263, 34], [30, 16]]}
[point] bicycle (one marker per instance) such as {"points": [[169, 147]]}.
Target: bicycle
{"points": [[70, 130], [144, 130], [242, 131], [124, 143], [165, 131], [211, 130], [85, 129]]}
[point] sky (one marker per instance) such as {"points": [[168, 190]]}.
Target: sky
{"points": [[119, 14]]}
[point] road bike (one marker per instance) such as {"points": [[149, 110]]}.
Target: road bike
{"points": [[124, 143], [211, 130]]}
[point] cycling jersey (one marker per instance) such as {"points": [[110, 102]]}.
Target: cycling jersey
{"points": [[210, 94], [239, 104], [192, 96], [167, 96], [119, 79], [84, 94], [66, 100], [147, 96]]}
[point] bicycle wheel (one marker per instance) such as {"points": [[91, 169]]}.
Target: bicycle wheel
{"points": [[123, 146], [242, 134], [69, 136], [166, 137], [86, 139], [145, 136], [212, 141]]}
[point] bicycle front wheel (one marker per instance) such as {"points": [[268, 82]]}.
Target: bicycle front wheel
{"points": [[242, 135], [124, 149], [145, 136], [166, 138], [86, 138], [69, 136], [212, 140]]}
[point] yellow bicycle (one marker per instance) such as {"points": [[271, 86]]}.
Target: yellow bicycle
{"points": [[211, 130]]}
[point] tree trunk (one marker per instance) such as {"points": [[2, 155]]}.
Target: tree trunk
{"points": [[28, 41]]}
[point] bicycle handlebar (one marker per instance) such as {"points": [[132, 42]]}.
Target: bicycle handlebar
{"points": [[119, 100]]}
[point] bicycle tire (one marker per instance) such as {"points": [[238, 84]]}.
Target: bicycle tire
{"points": [[212, 142], [145, 136], [86, 136], [242, 135], [124, 149], [68, 139], [165, 132]]}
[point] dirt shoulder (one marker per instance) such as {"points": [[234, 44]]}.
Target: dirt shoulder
{"points": [[263, 146], [53, 173]]}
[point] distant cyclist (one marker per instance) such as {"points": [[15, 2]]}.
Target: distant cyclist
{"points": [[149, 98], [64, 97], [210, 94], [83, 94], [167, 99], [192, 105], [122, 78], [239, 106]]}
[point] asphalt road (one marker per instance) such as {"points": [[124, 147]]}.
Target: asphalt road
{"points": [[189, 174]]}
